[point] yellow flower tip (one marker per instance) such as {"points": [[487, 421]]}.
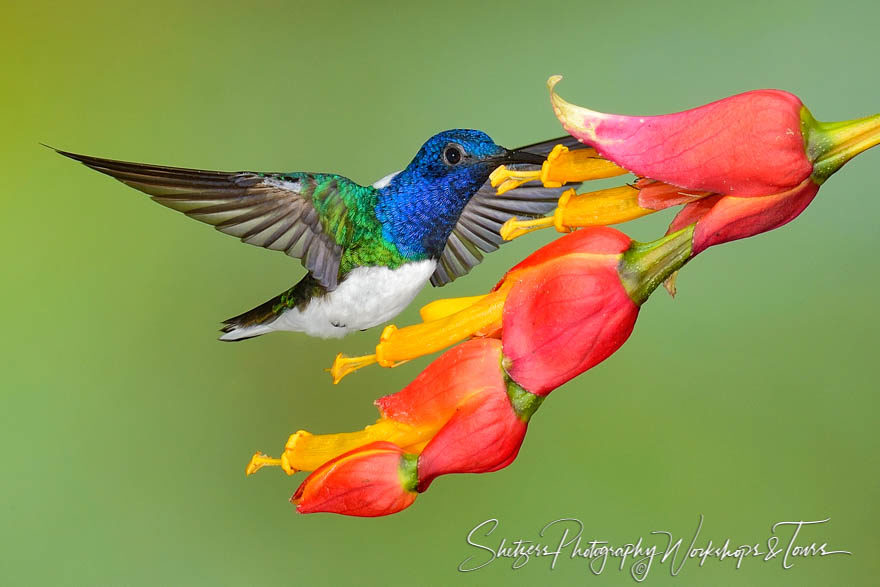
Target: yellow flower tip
{"points": [[571, 116], [510, 184], [504, 179], [260, 460], [557, 152], [295, 438], [558, 103], [565, 197], [427, 337], [514, 228], [552, 81], [446, 307], [286, 466], [498, 176], [559, 214], [387, 332], [510, 229], [343, 365]]}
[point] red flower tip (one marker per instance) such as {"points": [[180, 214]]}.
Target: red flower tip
{"points": [[373, 480]]}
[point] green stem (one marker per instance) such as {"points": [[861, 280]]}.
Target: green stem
{"points": [[525, 403], [645, 266], [831, 144], [409, 472]]}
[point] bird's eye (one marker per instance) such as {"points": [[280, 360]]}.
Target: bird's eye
{"points": [[452, 154]]}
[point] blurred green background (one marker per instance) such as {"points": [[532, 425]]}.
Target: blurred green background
{"points": [[126, 426]]}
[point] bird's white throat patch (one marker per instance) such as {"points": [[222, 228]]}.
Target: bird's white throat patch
{"points": [[368, 296], [381, 183]]}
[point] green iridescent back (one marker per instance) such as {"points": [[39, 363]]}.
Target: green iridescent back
{"points": [[347, 214]]}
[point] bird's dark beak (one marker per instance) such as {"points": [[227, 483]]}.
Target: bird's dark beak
{"points": [[520, 157]]}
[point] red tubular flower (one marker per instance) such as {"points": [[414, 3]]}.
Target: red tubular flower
{"points": [[437, 392], [762, 145], [568, 309], [373, 480], [721, 219], [484, 415], [750, 144], [559, 312], [483, 435], [462, 414], [575, 301], [739, 166]]}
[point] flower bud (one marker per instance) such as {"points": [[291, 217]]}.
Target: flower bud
{"points": [[373, 480], [483, 435], [751, 144], [721, 219], [568, 310]]}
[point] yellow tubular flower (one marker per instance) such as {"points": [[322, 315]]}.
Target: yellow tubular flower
{"points": [[605, 207], [458, 382], [600, 208], [447, 322], [444, 307], [561, 167], [306, 452]]}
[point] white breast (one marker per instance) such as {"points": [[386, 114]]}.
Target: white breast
{"points": [[368, 296]]}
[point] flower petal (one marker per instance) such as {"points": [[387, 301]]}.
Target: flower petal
{"points": [[563, 319], [369, 481], [435, 394], [595, 240], [748, 145], [483, 435], [732, 218]]}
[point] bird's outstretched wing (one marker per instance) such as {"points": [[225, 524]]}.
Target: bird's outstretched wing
{"points": [[477, 230], [273, 210]]}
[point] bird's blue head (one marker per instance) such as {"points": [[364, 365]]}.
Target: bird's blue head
{"points": [[420, 206]]}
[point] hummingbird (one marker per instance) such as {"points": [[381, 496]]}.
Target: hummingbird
{"points": [[368, 249]]}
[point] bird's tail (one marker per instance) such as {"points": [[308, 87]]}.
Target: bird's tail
{"points": [[261, 320], [253, 322]]}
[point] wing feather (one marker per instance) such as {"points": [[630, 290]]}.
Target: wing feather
{"points": [[270, 210], [478, 227]]}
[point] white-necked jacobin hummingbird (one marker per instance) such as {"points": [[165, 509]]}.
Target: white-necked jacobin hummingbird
{"points": [[368, 249]]}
